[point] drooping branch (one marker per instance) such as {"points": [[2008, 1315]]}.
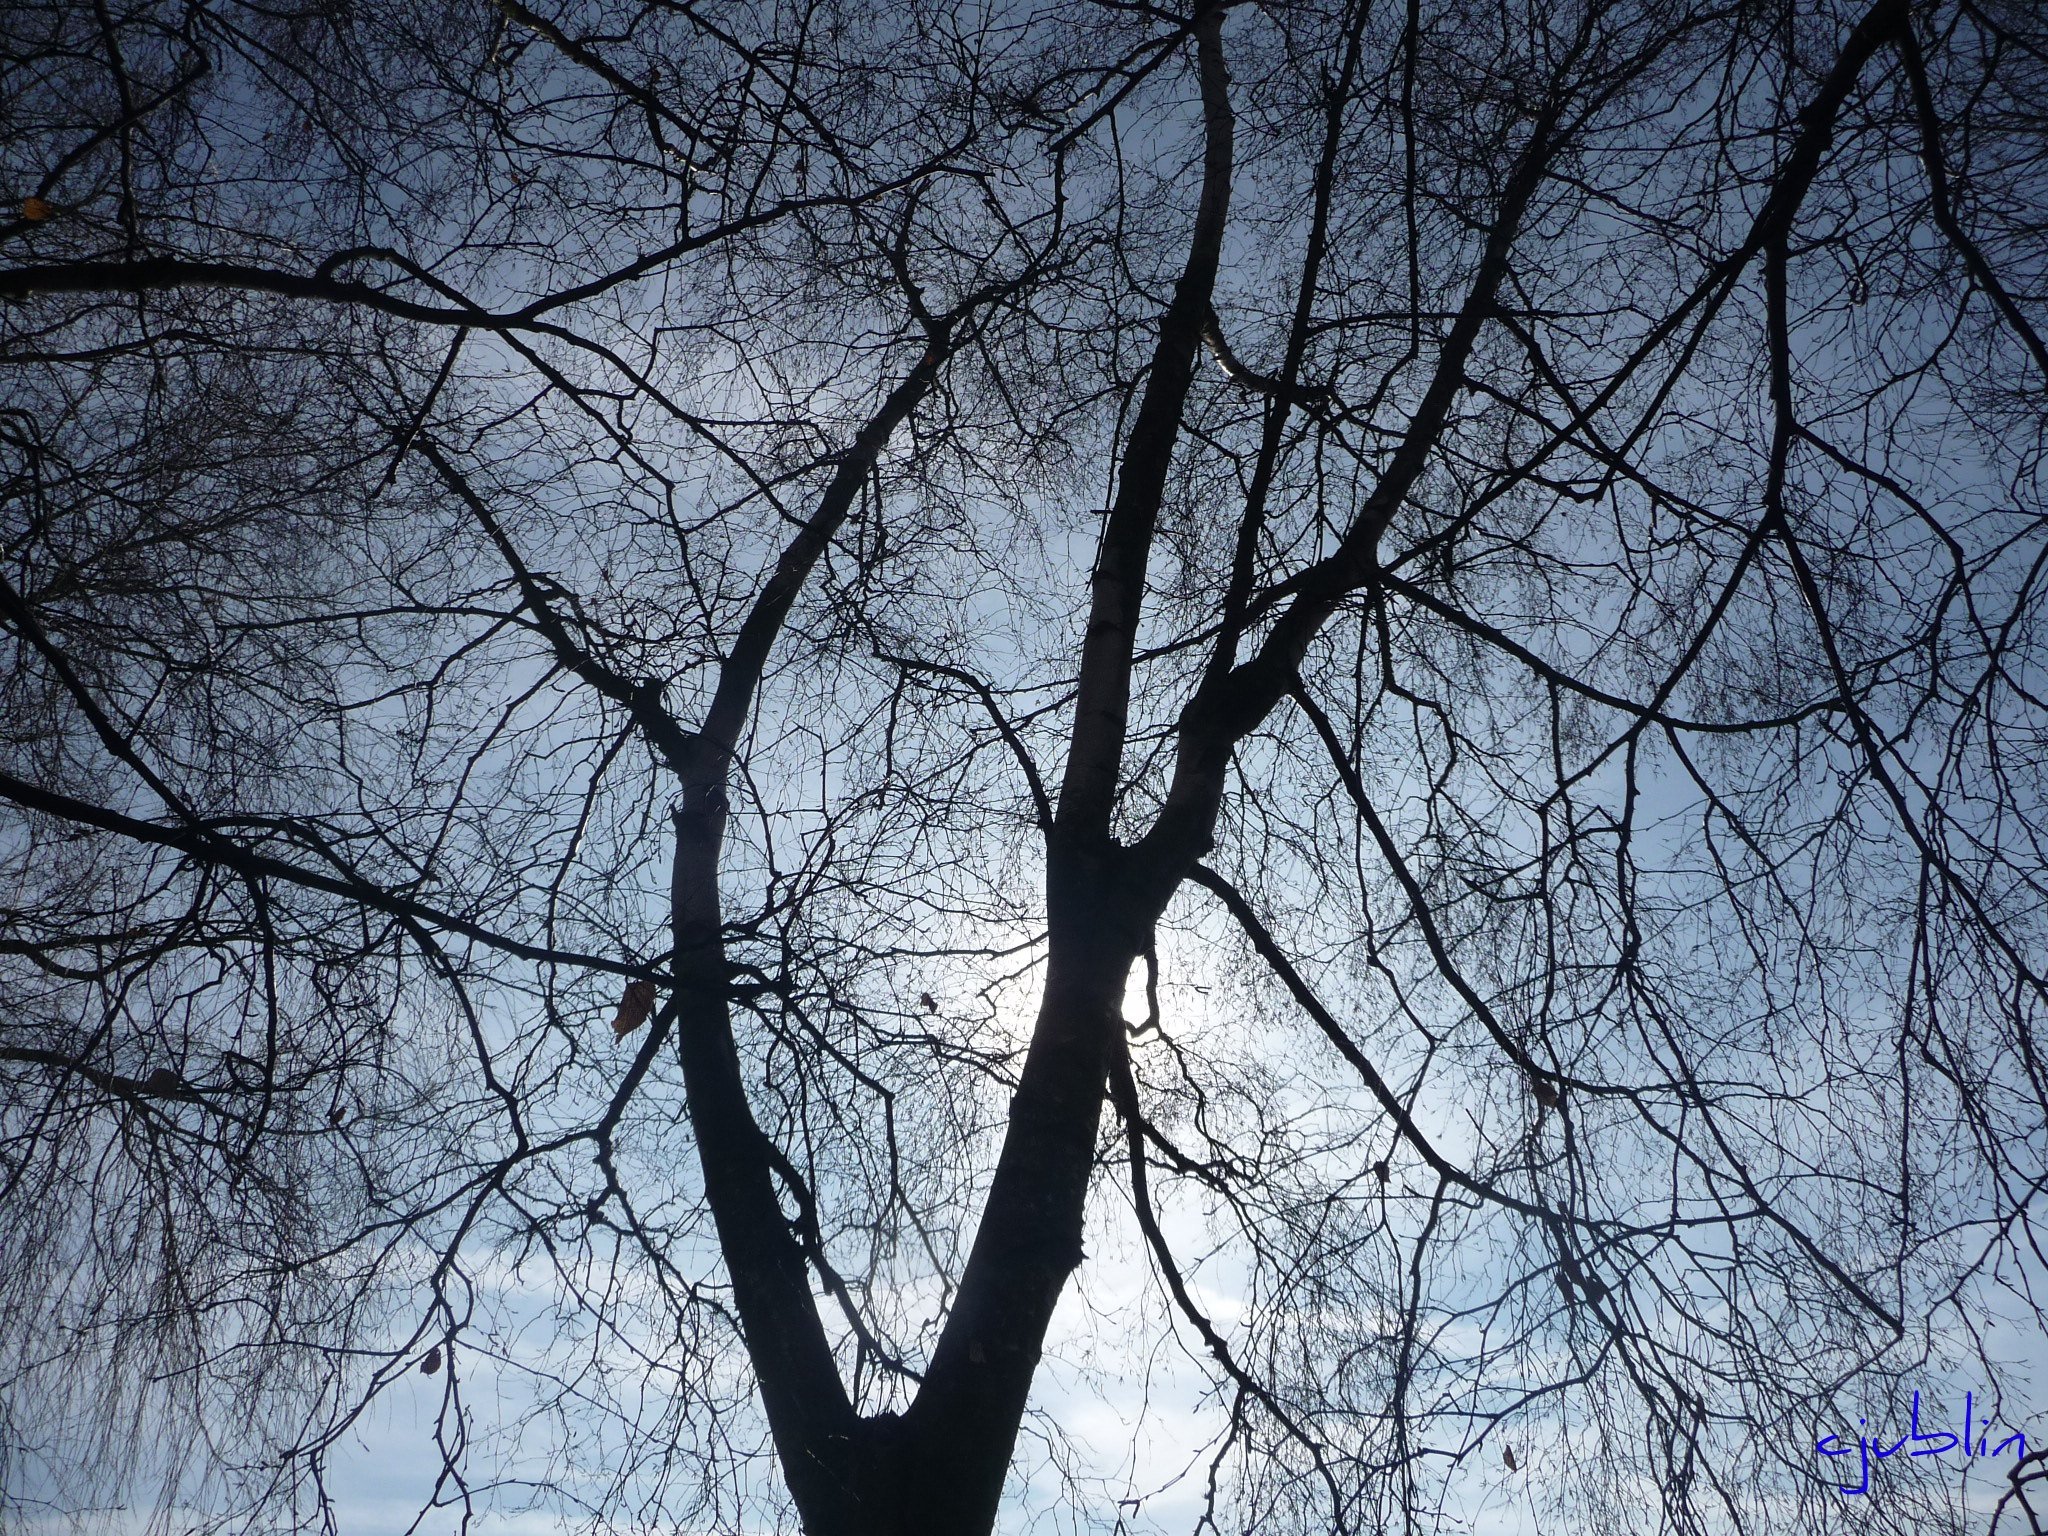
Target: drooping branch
{"points": [[208, 844], [1941, 195]]}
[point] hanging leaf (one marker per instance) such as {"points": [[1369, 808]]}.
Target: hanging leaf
{"points": [[36, 209], [634, 1007], [432, 1362], [1507, 1454]]}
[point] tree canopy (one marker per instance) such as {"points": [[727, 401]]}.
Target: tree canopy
{"points": [[917, 767]]}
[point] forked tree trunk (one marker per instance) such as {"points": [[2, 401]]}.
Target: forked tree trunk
{"points": [[961, 1431], [938, 1470]]}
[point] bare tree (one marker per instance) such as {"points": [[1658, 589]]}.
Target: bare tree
{"points": [[654, 649]]}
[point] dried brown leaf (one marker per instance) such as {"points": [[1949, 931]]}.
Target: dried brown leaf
{"points": [[634, 1007]]}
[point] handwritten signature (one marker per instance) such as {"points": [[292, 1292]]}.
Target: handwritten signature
{"points": [[1830, 1445]]}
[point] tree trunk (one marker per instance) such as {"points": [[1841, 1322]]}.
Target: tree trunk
{"points": [[963, 1426]]}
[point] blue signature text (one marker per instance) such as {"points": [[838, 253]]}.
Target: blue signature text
{"points": [[1933, 1442]]}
